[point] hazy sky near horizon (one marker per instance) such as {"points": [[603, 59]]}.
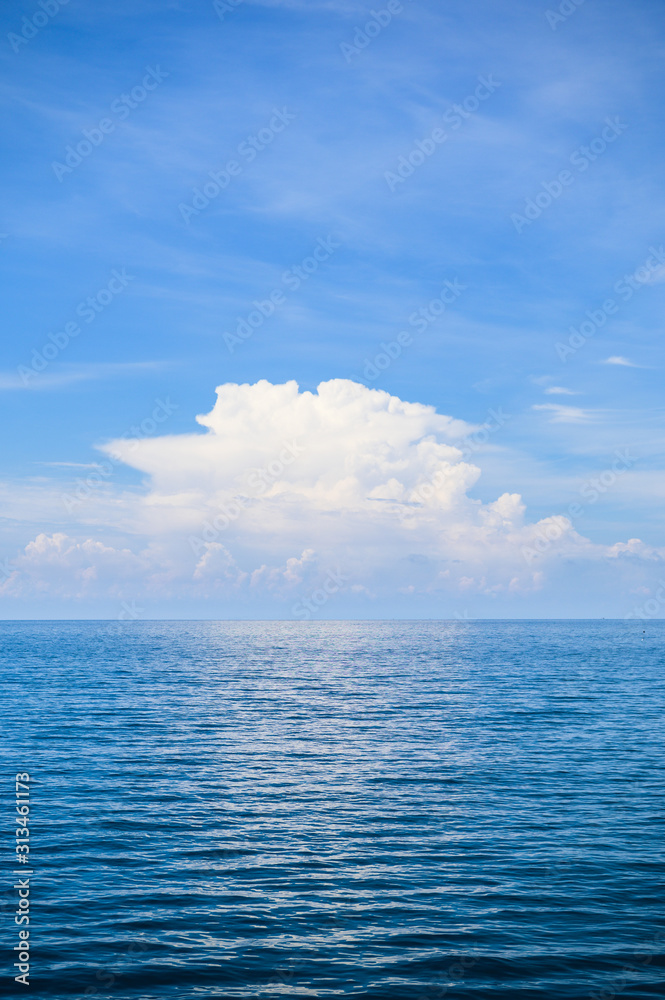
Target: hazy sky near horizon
{"points": [[449, 216]]}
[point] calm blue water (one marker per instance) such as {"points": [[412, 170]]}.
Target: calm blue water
{"points": [[387, 810]]}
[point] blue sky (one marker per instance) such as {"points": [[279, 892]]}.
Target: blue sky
{"points": [[328, 127]]}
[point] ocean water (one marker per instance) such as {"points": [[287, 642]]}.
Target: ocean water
{"points": [[373, 809]]}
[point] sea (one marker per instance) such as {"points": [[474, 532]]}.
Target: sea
{"points": [[427, 809]]}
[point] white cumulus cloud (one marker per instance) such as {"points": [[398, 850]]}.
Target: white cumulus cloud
{"points": [[347, 492]]}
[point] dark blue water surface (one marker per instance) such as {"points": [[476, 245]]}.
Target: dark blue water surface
{"points": [[379, 809]]}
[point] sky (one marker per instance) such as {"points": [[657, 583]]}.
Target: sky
{"points": [[325, 309]]}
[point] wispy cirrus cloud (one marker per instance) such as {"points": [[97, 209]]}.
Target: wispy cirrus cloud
{"points": [[565, 414], [617, 359], [67, 375]]}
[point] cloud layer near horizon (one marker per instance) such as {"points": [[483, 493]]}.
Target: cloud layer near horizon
{"points": [[347, 491]]}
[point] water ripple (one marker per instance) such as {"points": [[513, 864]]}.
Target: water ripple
{"points": [[382, 809]]}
